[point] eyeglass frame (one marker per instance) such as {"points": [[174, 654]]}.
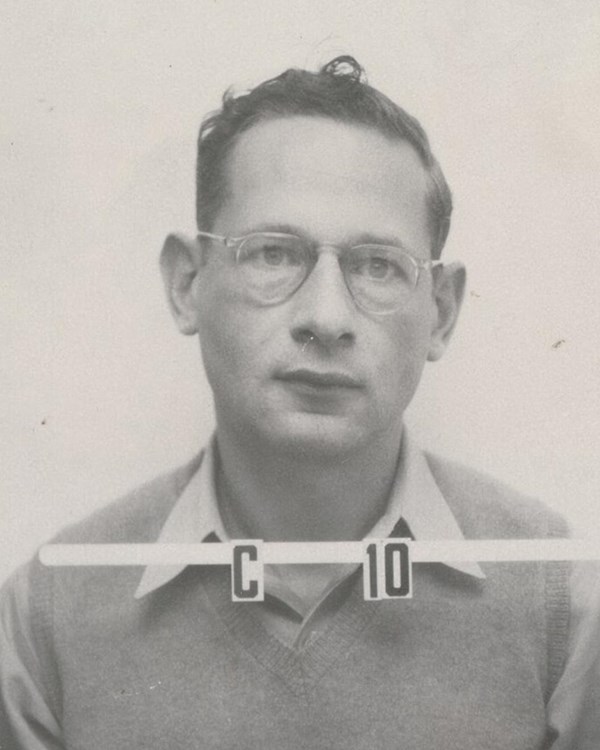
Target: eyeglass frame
{"points": [[235, 243]]}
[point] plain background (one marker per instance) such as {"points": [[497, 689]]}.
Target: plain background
{"points": [[101, 103]]}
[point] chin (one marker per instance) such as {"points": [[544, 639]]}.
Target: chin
{"points": [[317, 435]]}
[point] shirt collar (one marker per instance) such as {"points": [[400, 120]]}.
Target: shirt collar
{"points": [[415, 496]]}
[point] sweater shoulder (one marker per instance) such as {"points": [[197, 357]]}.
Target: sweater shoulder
{"points": [[137, 516], [488, 508]]}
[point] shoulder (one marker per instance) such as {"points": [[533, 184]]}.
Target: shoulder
{"points": [[487, 507], [137, 516]]}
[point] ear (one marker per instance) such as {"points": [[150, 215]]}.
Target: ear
{"points": [[448, 290], [180, 261]]}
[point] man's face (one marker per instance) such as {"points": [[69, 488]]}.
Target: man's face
{"points": [[315, 372]]}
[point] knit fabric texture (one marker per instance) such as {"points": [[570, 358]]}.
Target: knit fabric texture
{"points": [[466, 664]]}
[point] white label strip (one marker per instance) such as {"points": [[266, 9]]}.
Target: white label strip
{"points": [[484, 550]]}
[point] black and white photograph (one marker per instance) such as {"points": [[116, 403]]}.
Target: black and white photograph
{"points": [[300, 375]]}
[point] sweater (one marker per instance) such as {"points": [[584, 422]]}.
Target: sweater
{"points": [[465, 663]]}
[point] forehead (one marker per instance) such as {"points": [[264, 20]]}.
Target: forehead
{"points": [[335, 180]]}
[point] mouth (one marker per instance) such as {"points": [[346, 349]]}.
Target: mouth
{"points": [[319, 380]]}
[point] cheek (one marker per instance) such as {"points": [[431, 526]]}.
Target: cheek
{"points": [[233, 338], [406, 345]]}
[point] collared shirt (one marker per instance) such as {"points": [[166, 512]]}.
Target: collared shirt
{"points": [[289, 612]]}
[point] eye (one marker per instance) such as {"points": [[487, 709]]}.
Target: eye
{"points": [[377, 264], [379, 268], [274, 255], [270, 253]]}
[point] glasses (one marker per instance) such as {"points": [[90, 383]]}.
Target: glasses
{"points": [[273, 266]]}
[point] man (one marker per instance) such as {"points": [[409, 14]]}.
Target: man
{"points": [[315, 288]]}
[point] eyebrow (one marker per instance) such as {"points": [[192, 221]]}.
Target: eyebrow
{"points": [[364, 238]]}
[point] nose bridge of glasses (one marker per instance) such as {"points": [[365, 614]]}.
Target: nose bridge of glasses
{"points": [[330, 253], [325, 277], [327, 256]]}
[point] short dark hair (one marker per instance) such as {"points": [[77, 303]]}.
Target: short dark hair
{"points": [[338, 91]]}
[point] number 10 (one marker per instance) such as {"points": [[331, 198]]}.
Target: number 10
{"points": [[387, 570]]}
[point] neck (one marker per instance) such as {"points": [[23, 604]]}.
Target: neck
{"points": [[278, 495]]}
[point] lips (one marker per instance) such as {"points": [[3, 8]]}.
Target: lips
{"points": [[317, 379]]}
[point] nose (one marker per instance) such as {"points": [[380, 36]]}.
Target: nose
{"points": [[324, 311]]}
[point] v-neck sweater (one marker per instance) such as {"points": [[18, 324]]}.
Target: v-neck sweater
{"points": [[465, 663]]}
